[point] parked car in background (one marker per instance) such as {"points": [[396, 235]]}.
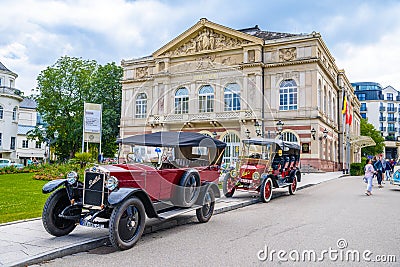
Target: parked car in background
{"points": [[9, 163], [167, 174], [266, 164]]}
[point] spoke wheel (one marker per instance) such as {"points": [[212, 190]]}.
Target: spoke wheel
{"points": [[266, 190], [228, 185], [293, 186], [127, 224]]}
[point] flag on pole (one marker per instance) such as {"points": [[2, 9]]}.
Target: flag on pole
{"points": [[344, 103]]}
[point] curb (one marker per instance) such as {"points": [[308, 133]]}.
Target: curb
{"points": [[92, 244]]}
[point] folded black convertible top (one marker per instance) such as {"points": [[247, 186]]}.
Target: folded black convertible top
{"points": [[173, 139]]}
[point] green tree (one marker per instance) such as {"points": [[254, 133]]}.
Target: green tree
{"points": [[65, 86], [367, 129]]}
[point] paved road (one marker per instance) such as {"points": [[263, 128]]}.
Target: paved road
{"points": [[314, 219]]}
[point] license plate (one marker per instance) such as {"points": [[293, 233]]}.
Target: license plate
{"points": [[84, 222]]}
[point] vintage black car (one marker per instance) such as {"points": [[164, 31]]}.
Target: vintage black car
{"points": [[173, 173]]}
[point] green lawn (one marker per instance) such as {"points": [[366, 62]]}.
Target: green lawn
{"points": [[21, 197]]}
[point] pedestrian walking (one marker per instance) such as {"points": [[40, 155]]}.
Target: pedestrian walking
{"points": [[379, 170], [369, 175], [388, 170]]}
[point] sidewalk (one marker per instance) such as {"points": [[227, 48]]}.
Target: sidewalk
{"points": [[27, 242]]}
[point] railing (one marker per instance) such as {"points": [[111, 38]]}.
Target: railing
{"points": [[10, 91], [391, 109], [391, 119], [392, 130], [382, 129], [382, 118], [193, 117], [381, 108]]}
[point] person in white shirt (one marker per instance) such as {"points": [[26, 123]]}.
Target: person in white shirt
{"points": [[369, 174]]}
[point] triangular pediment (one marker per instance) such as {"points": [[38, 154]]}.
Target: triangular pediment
{"points": [[205, 36]]}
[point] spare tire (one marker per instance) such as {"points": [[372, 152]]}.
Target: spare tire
{"points": [[188, 189]]}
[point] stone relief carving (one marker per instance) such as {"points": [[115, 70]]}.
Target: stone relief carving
{"points": [[142, 72], [287, 75], [206, 40], [205, 62], [287, 54]]}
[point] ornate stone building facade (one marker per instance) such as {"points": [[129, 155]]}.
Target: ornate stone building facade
{"points": [[233, 84]]}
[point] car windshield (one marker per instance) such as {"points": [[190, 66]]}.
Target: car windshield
{"points": [[171, 157], [258, 151]]}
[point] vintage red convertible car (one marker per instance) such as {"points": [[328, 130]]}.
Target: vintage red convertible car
{"points": [[266, 164], [173, 173]]}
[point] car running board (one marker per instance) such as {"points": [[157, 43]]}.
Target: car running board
{"points": [[172, 213]]}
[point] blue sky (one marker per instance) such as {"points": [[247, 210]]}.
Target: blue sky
{"points": [[363, 36]]}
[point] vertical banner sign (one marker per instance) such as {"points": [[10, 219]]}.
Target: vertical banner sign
{"points": [[92, 121]]}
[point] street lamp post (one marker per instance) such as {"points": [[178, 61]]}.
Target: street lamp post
{"points": [[279, 127]]}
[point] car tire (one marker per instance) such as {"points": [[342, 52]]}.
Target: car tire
{"points": [[54, 205], [266, 190], [206, 211], [228, 185], [188, 189], [293, 186], [127, 223]]}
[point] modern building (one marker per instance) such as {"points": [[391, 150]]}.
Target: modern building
{"points": [[17, 117], [234, 84], [381, 107]]}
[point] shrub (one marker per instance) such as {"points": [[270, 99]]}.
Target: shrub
{"points": [[357, 169]]}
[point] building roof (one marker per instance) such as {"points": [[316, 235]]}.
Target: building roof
{"points": [[3, 68], [28, 103], [24, 129], [267, 35]]}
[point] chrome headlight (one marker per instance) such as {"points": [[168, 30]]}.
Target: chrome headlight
{"points": [[72, 177], [112, 183], [256, 176], [233, 173]]}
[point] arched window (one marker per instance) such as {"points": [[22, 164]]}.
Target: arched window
{"points": [[319, 95], [14, 114], [206, 99], [1, 112], [231, 153], [288, 95], [289, 137], [141, 106], [181, 101], [232, 97]]}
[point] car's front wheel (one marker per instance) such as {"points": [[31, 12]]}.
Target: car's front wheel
{"points": [[127, 223], [228, 185], [52, 222], [266, 190], [206, 211]]}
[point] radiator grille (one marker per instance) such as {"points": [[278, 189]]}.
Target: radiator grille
{"points": [[94, 191]]}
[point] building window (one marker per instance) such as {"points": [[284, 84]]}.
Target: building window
{"points": [[232, 97], [389, 96], [181, 101], [12, 144], [364, 115], [319, 95], [231, 152], [391, 127], [289, 137], [1, 112], [390, 117], [25, 144], [390, 107], [38, 145], [363, 107], [14, 114], [288, 95], [361, 97], [206, 99], [141, 106], [1, 139], [251, 56]]}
